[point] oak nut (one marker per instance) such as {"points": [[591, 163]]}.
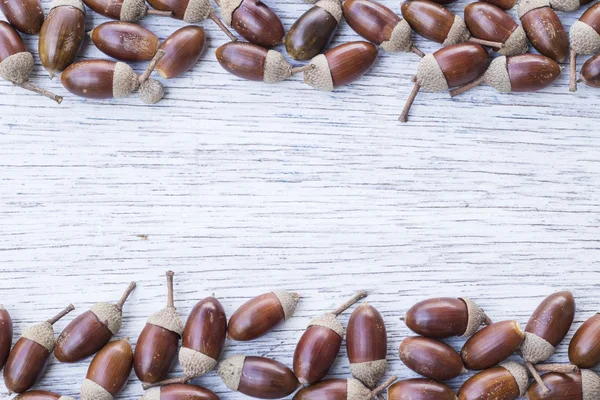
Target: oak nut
{"points": [[125, 41], [544, 29], [179, 391], [182, 51], [577, 386], [508, 381], [590, 72], [41, 395], [435, 22], [6, 333], [583, 349], [431, 358], [26, 16], [108, 372], [584, 38], [420, 389], [254, 20], [503, 4], [342, 389], [124, 10], [492, 345]]}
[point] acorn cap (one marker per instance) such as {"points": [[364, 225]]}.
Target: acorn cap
{"points": [[497, 75], [151, 91], [288, 301], [333, 7], [319, 77], [518, 372], [107, 311], [476, 317], [150, 394], [527, 5], [194, 363], [357, 391], [369, 372], [590, 381], [69, 3], [515, 44], [197, 10], [230, 371], [536, 349], [42, 334], [458, 33], [330, 321], [565, 5], [133, 10], [401, 38], [90, 390], [276, 69], [430, 76], [17, 67], [125, 82], [227, 9], [584, 39], [167, 318]]}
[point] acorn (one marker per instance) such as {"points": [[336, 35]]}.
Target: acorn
{"points": [[90, 331], [124, 10], [258, 377], [320, 344], [590, 72], [503, 4], [341, 65], [341, 389], [29, 357], [312, 32], [6, 333], [125, 41], [431, 358], [41, 395], [182, 51], [108, 372], [492, 345], [544, 29], [158, 343], [489, 22], [445, 317], [522, 73], [179, 391], [420, 389], [574, 386], [254, 20], [380, 25], [26, 16], [583, 349], [585, 39], [508, 381], [259, 315]]}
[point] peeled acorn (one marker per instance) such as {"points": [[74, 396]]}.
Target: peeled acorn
{"points": [[312, 32], [182, 51], [584, 349], [341, 65], [431, 358], [254, 20], [435, 22], [61, 35], [585, 39], [124, 10], [320, 344], [508, 381], [41, 395], [492, 345], [6, 333], [179, 391], [445, 317], [258, 377], [420, 389], [125, 41], [29, 357], [341, 389], [259, 315], [108, 372], [574, 386], [26, 16], [90, 331], [544, 29]]}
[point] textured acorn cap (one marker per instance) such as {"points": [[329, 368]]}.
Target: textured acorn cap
{"points": [[167, 318], [458, 33], [518, 372], [42, 334], [430, 76], [107, 312], [497, 75], [357, 391], [133, 10], [535, 349], [333, 7], [476, 317], [151, 91], [401, 38], [125, 82], [151, 394], [69, 3], [590, 381], [230, 371], [515, 44], [527, 5], [288, 301], [369, 372], [90, 390], [227, 9], [584, 39], [565, 5], [196, 11], [276, 68], [194, 363], [330, 321], [319, 77], [17, 68]]}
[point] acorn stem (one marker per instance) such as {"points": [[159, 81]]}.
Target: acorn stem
{"points": [[573, 71], [488, 43], [560, 368], [182, 379], [465, 88], [361, 294], [152, 11], [304, 68], [125, 295], [409, 102], [61, 314], [220, 24], [157, 57], [170, 301], [28, 86], [379, 389], [417, 51], [537, 377]]}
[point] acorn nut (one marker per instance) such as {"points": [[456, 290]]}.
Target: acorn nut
{"points": [[26, 16], [125, 41], [583, 349], [124, 10], [435, 22], [341, 389], [41, 395], [585, 39], [6, 333], [254, 20], [544, 29], [108, 372], [584, 385], [182, 51], [492, 345], [590, 72], [431, 358], [508, 381], [179, 391], [420, 389]]}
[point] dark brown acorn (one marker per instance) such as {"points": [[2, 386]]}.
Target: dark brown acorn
{"points": [[6, 333], [158, 343], [90, 331], [492, 345], [585, 39], [108, 372], [431, 358], [320, 344], [544, 29], [311, 33], [125, 41], [508, 381], [254, 20], [124, 10], [41, 395], [26, 16], [572, 386], [445, 317], [342, 389], [29, 357], [503, 4], [179, 391], [420, 389], [584, 349], [341, 65], [380, 25], [435, 22], [258, 377], [182, 51]]}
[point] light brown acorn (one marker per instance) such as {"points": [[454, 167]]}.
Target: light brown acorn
{"points": [[182, 51], [258, 377], [584, 349], [41, 395], [340, 65], [342, 389], [590, 72], [585, 39], [158, 343], [179, 391], [108, 372], [380, 25], [26, 16], [492, 345], [522, 73], [254, 20], [6, 333], [420, 389], [90, 331], [61, 35], [544, 29], [320, 344], [508, 381], [125, 41], [431, 358], [573, 386], [124, 10], [444, 317], [29, 357], [503, 4]]}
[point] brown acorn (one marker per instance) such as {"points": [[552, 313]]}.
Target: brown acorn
{"points": [[544, 29], [254, 20], [90, 331], [445, 317], [29, 357], [435, 22], [258, 377], [124, 10], [179, 391], [431, 358], [522, 73], [341, 65], [26, 16], [583, 349], [508, 381], [573, 386], [585, 39], [590, 72], [125, 41], [342, 389], [41, 395], [182, 51], [259, 315], [492, 345], [108, 372], [320, 344], [6, 333], [158, 343], [503, 4], [420, 389]]}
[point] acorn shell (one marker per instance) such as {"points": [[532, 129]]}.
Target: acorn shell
{"points": [[183, 49], [26, 16], [125, 41]]}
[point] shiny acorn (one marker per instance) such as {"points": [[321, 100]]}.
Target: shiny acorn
{"points": [[125, 41], [544, 29], [108, 372], [41, 395], [435, 22], [254, 21], [90, 331], [26, 16], [590, 72], [124, 10], [585, 39], [503, 4], [29, 357], [179, 391], [420, 389], [584, 351], [6, 332], [320, 344], [508, 381], [182, 51], [492, 345], [158, 343], [340, 65], [574, 386], [258, 377], [431, 358], [341, 389], [445, 317]]}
